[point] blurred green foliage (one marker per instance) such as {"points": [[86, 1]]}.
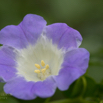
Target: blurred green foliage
{"points": [[84, 15]]}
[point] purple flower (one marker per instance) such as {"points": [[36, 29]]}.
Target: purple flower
{"points": [[35, 59]]}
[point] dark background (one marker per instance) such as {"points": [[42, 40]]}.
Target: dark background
{"points": [[84, 15]]}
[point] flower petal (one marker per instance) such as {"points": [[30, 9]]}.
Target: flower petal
{"points": [[33, 26], [63, 35], [75, 65], [67, 76], [20, 89], [77, 58], [7, 63], [13, 36], [7, 72], [45, 88], [55, 31]]}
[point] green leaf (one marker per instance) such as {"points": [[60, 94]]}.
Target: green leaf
{"points": [[5, 98], [75, 100], [47, 100], [75, 89], [78, 88], [61, 101], [1, 86], [68, 92], [0, 44], [90, 88]]}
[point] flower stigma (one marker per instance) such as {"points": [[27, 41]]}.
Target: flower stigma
{"points": [[42, 73]]}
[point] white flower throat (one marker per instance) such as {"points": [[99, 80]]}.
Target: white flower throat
{"points": [[37, 62]]}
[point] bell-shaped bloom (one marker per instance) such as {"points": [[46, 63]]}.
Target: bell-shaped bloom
{"points": [[36, 58]]}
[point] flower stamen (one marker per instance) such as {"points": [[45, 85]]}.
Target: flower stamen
{"points": [[38, 66], [43, 72], [37, 71], [47, 66], [42, 63]]}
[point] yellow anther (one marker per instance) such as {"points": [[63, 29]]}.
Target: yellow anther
{"points": [[37, 71], [43, 70], [42, 63], [47, 66], [38, 66]]}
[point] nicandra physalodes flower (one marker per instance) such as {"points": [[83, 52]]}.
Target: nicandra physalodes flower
{"points": [[37, 58]]}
